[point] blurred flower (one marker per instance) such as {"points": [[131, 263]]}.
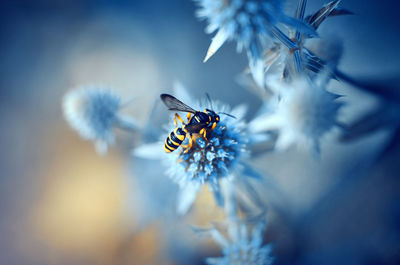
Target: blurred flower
{"points": [[92, 112], [223, 156], [154, 195], [283, 62], [244, 245], [303, 112], [249, 22], [385, 116]]}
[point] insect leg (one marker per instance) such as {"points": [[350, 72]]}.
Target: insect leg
{"points": [[190, 145], [213, 126], [179, 118], [203, 133]]}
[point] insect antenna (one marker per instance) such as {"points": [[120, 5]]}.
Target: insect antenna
{"points": [[209, 101], [227, 114], [212, 108]]}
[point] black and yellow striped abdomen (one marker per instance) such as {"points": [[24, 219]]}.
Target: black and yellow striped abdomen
{"points": [[174, 140]]}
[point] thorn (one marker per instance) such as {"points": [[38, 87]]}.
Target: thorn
{"points": [[216, 43], [210, 52]]}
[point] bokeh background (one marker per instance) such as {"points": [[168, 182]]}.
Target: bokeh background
{"points": [[60, 203]]}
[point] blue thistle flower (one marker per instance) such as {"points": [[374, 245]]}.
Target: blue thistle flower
{"points": [[303, 55], [249, 22], [92, 112], [222, 157], [300, 59], [243, 247], [304, 112], [208, 160]]}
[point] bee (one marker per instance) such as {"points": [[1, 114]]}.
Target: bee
{"points": [[199, 122]]}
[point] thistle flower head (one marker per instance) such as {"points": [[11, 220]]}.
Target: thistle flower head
{"points": [[212, 158], [244, 246], [248, 22], [92, 112], [304, 112], [242, 20], [220, 156], [303, 53]]}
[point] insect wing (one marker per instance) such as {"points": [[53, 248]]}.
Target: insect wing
{"points": [[175, 104]]}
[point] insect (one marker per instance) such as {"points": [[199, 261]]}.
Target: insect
{"points": [[202, 123]]}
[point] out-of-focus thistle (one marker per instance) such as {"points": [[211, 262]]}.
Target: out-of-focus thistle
{"points": [[243, 246], [93, 112], [304, 111], [282, 62], [220, 160], [250, 23], [386, 116]]}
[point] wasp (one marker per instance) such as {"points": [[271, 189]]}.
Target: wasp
{"points": [[199, 122]]}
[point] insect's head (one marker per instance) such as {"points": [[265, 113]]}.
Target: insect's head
{"points": [[214, 116]]}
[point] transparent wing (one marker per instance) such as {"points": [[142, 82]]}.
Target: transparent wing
{"points": [[175, 104]]}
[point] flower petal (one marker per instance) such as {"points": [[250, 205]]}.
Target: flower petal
{"points": [[214, 261], [149, 151], [318, 17], [216, 190], [187, 196], [257, 70], [259, 138], [282, 37], [216, 43], [126, 123], [300, 26], [264, 122], [219, 238], [284, 141]]}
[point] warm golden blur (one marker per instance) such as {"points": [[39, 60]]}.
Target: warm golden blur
{"points": [[80, 210], [80, 215]]}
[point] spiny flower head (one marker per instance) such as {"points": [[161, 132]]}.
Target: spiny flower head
{"points": [[305, 54], [222, 156], [213, 158], [304, 111], [244, 246], [248, 22], [242, 20], [209, 160], [92, 112]]}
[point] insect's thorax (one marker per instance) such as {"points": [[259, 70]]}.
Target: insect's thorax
{"points": [[206, 117], [200, 117]]}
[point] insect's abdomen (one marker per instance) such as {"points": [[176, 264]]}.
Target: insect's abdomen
{"points": [[174, 140]]}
